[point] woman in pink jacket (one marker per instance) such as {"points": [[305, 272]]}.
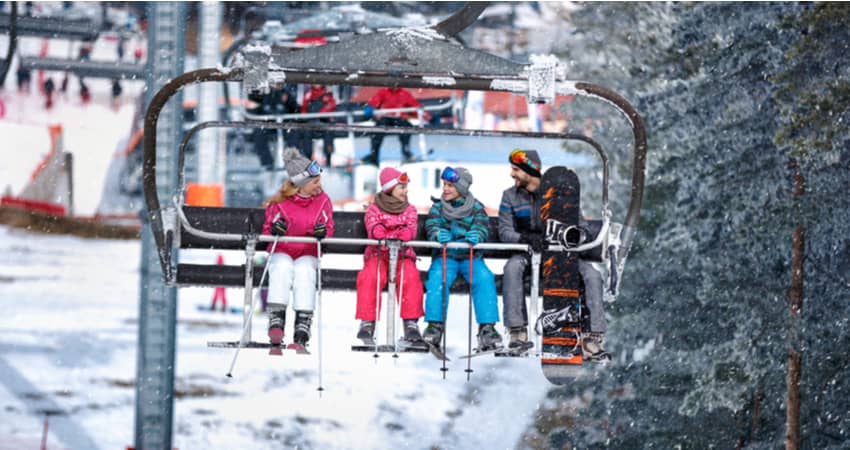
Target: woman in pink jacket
{"points": [[390, 217], [300, 208]]}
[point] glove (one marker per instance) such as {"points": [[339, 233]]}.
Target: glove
{"points": [[320, 231], [535, 240], [443, 236], [472, 237], [368, 112], [279, 227]]}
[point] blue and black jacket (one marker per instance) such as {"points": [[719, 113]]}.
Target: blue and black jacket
{"points": [[477, 221]]}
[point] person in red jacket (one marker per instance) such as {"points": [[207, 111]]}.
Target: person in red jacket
{"points": [[390, 217], [390, 98], [318, 100]]}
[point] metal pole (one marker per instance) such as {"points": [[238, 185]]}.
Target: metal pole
{"points": [[154, 409], [208, 56], [250, 250], [535, 295], [392, 246]]}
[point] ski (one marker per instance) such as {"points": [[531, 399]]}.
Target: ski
{"points": [[517, 352], [476, 352], [235, 344], [560, 324], [402, 347], [299, 349], [439, 354], [412, 347], [274, 349], [206, 308]]}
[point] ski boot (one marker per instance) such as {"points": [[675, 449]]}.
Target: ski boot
{"points": [[488, 337], [592, 348], [303, 320], [411, 331], [366, 332], [277, 320], [519, 342], [433, 333]]}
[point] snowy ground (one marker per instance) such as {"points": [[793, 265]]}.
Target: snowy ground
{"points": [[68, 353]]}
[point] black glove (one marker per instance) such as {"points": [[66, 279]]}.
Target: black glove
{"points": [[535, 240], [320, 231], [279, 227]]}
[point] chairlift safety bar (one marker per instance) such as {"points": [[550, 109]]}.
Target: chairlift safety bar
{"points": [[365, 241]]}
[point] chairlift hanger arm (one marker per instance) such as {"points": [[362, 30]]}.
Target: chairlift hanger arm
{"points": [[461, 19], [13, 42]]}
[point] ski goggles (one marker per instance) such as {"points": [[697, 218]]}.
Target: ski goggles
{"points": [[401, 179], [450, 174], [520, 157], [313, 170]]}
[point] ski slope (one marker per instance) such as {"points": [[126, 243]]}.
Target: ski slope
{"points": [[91, 131], [68, 352]]}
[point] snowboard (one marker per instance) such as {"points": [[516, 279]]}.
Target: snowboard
{"points": [[561, 355]]}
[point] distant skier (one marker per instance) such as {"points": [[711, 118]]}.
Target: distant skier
{"points": [[49, 90], [219, 292], [85, 55], [519, 221], [304, 210], [85, 93], [278, 101], [24, 77], [116, 93], [458, 217], [390, 217], [391, 98], [318, 100]]}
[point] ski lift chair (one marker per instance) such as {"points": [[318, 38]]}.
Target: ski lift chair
{"points": [[412, 58]]}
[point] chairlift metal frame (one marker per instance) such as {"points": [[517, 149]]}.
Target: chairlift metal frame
{"points": [[540, 81], [164, 233]]}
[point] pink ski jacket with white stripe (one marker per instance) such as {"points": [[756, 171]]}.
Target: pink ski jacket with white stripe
{"points": [[301, 215]]}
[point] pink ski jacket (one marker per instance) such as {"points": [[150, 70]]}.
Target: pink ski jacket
{"points": [[383, 225], [301, 215]]}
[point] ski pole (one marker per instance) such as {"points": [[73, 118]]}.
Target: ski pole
{"points": [[444, 369], [253, 306], [400, 294], [319, 295], [377, 302], [469, 321]]}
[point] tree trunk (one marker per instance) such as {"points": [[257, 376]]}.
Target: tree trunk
{"points": [[795, 304]]}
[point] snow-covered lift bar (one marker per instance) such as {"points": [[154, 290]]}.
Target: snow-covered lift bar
{"points": [[95, 69], [49, 27], [406, 57]]}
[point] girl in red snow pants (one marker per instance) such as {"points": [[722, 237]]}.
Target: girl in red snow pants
{"points": [[390, 217]]}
